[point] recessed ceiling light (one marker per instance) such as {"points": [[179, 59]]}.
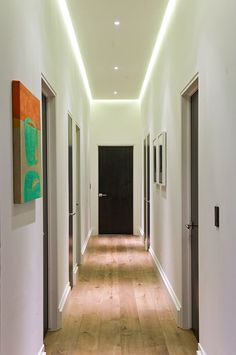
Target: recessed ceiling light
{"points": [[116, 68], [115, 92], [117, 23]]}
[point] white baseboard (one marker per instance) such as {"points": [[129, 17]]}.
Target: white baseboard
{"points": [[75, 269], [200, 350], [141, 232], [176, 306], [86, 242], [42, 351], [64, 297]]}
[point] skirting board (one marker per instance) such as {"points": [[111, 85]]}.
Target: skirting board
{"points": [[176, 306], [64, 297], [42, 351], [75, 269], [86, 242], [141, 232], [200, 350]]}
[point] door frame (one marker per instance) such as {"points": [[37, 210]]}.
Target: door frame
{"points": [[186, 309], [54, 316], [77, 194], [77, 254], [147, 191]]}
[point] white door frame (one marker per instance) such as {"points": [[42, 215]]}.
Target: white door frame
{"points": [[78, 255], [186, 310], [54, 316], [76, 193]]}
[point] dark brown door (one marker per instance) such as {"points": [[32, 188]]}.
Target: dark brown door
{"points": [[148, 193], [115, 190], [45, 215], [194, 214], [145, 189], [70, 188]]}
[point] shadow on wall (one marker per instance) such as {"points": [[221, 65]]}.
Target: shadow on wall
{"points": [[23, 215]]}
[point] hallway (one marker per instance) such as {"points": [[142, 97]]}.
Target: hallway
{"points": [[119, 306]]}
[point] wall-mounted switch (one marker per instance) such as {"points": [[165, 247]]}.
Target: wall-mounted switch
{"points": [[217, 216]]}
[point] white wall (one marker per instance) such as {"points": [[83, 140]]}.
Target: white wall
{"points": [[199, 39], [115, 124], [33, 40]]}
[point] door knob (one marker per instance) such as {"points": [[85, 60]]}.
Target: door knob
{"points": [[191, 225], [102, 195]]}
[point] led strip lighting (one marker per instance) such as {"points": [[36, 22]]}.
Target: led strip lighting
{"points": [[160, 37]]}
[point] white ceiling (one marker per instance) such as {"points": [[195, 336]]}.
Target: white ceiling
{"points": [[129, 46]]}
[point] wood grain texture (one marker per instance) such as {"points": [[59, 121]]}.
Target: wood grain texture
{"points": [[119, 306]]}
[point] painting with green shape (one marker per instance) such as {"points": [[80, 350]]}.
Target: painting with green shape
{"points": [[27, 144], [31, 142]]}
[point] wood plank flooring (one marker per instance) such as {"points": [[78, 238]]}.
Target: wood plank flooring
{"points": [[119, 306]]}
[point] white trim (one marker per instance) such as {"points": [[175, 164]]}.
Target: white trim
{"points": [[64, 297], [189, 90], [200, 350], [86, 242], [53, 314], [75, 269], [141, 232], [42, 351], [176, 304]]}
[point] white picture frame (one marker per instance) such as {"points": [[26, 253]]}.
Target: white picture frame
{"points": [[161, 174], [155, 161]]}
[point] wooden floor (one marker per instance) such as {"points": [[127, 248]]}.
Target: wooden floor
{"points": [[119, 306]]}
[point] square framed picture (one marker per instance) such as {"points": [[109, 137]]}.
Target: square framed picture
{"points": [[26, 144]]}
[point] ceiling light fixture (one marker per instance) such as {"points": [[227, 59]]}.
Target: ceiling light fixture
{"points": [[115, 92], [117, 23], [116, 68]]}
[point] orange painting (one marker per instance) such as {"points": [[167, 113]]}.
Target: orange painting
{"points": [[26, 144]]}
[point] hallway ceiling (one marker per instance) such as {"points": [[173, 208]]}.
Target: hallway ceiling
{"points": [[128, 46]]}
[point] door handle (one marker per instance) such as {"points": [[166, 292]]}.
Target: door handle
{"points": [[191, 226], [72, 214], [102, 195]]}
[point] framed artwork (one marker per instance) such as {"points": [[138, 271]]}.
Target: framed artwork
{"points": [[161, 159], [26, 144]]}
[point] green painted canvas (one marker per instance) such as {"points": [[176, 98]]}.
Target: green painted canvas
{"points": [[26, 144]]}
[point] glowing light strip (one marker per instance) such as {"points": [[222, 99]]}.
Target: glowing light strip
{"points": [[161, 34], [112, 101], [71, 32]]}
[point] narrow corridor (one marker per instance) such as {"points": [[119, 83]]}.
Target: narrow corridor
{"points": [[119, 306]]}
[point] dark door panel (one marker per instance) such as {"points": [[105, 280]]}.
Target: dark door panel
{"points": [[45, 215], [148, 193], [70, 189], [115, 190], [194, 214]]}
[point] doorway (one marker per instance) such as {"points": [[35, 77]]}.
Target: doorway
{"points": [[115, 189], [77, 256], [52, 318], [194, 214], [190, 198], [146, 189]]}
